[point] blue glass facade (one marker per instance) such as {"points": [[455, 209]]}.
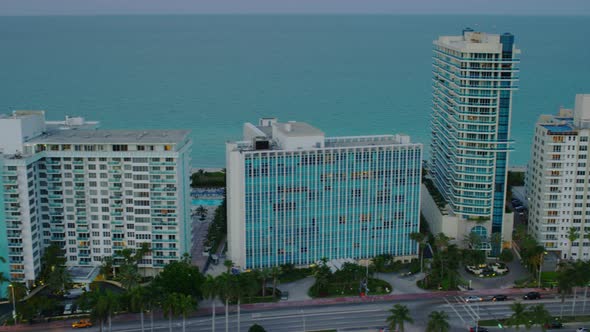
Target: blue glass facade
{"points": [[474, 77], [300, 207]]}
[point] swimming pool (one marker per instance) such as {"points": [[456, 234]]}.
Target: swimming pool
{"points": [[207, 202]]}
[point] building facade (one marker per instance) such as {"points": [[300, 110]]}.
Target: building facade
{"points": [[474, 76], [558, 183], [93, 192], [296, 196]]}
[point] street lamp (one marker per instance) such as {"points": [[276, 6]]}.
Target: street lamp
{"points": [[13, 303]]}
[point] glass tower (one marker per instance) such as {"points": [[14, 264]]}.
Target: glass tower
{"points": [[474, 76]]}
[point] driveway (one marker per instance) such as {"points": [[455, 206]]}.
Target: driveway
{"points": [[402, 285], [298, 289], [516, 272]]}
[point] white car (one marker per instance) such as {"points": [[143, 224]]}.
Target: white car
{"points": [[473, 298], [68, 309], [582, 329]]}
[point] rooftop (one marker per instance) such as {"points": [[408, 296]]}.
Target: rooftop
{"points": [[55, 135], [297, 129]]}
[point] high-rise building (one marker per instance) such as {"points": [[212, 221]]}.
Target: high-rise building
{"points": [[296, 196], [558, 183], [93, 192], [474, 76]]}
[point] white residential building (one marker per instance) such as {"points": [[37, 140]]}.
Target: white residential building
{"points": [[558, 183], [92, 191]]}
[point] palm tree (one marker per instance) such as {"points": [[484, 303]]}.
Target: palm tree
{"points": [[275, 273], [128, 276], [170, 307], [202, 212], [137, 300], [211, 291], [107, 269], [438, 322], [399, 315], [540, 315], [565, 282], [519, 315], [58, 279], [185, 304], [420, 239], [102, 305], [228, 265], [227, 290], [572, 236], [151, 301], [265, 273]]}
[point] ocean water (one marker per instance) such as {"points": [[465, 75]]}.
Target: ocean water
{"points": [[346, 74]]}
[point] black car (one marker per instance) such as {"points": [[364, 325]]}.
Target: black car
{"points": [[499, 298], [554, 325], [532, 296], [478, 329]]}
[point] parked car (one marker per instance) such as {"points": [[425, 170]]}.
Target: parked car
{"points": [[532, 296], [473, 298], [284, 295], [582, 329], [499, 298], [554, 325], [478, 329], [68, 309], [82, 324]]}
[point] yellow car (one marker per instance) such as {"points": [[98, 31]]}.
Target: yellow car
{"points": [[82, 324]]}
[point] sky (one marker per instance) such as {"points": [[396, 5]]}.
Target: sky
{"points": [[99, 7]]}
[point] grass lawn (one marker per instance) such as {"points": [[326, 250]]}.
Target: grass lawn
{"points": [[339, 289], [208, 179], [294, 275]]}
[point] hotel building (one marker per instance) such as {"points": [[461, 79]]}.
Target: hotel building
{"points": [[296, 196], [91, 191], [474, 76], [558, 183]]}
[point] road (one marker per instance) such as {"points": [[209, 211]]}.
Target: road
{"points": [[346, 317]]}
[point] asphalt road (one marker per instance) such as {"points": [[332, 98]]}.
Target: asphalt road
{"points": [[346, 317]]}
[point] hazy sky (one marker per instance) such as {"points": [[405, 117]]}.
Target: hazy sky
{"points": [[515, 7]]}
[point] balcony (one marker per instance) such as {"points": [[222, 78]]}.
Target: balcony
{"points": [[163, 180], [114, 163], [163, 163]]}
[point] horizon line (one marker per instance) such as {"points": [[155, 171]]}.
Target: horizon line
{"points": [[298, 14]]}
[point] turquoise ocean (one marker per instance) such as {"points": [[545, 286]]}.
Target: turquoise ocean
{"points": [[346, 74]]}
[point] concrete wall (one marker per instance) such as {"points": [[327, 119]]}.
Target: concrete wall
{"points": [[438, 222], [235, 205]]}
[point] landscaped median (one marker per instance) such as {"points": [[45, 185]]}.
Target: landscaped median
{"points": [[349, 279]]}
